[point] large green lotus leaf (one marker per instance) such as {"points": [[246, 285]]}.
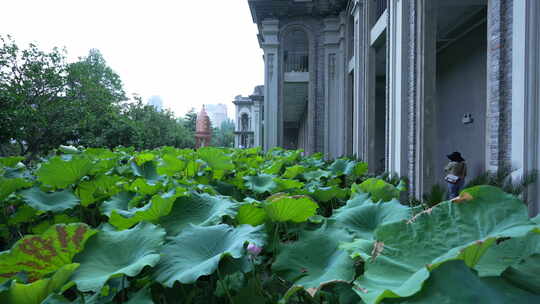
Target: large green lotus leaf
{"points": [[11, 161], [290, 208], [454, 282], [326, 194], [143, 296], [379, 190], [340, 166], [10, 185], [146, 170], [24, 214], [38, 255], [144, 157], [506, 253], [525, 273], [98, 189], [54, 202], [217, 160], [159, 206], [251, 214], [315, 260], [197, 209], [118, 202], [261, 183], [197, 250], [170, 165], [36, 292], [62, 173], [316, 174], [114, 253], [144, 187], [361, 217], [288, 184], [294, 171], [409, 250]]}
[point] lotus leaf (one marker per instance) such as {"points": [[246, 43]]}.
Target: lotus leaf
{"points": [[316, 175], [61, 174], [118, 202], [36, 292], [197, 209], [24, 214], [361, 217], [39, 255], [11, 161], [10, 185], [409, 250], [197, 250], [114, 253], [315, 260], [290, 208], [326, 194], [379, 190], [170, 165], [98, 189], [251, 214], [454, 282], [261, 183], [159, 206], [146, 170], [54, 202], [294, 171]]}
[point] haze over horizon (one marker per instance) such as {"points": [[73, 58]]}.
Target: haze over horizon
{"points": [[200, 52]]}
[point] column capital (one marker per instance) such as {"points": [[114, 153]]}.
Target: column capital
{"points": [[269, 31]]}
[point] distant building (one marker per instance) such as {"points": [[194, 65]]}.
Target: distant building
{"points": [[217, 114], [203, 130], [156, 102], [248, 124]]}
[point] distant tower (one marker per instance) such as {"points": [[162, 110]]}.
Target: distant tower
{"points": [[203, 130]]}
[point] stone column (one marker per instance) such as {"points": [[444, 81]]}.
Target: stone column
{"points": [[363, 86], [333, 100], [270, 45], [525, 114], [426, 65], [256, 123], [397, 84]]}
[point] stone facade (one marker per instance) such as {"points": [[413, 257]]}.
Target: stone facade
{"points": [[248, 124], [361, 48]]}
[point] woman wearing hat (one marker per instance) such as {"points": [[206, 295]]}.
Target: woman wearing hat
{"points": [[456, 170]]}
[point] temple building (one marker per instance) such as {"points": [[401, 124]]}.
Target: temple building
{"points": [[203, 130], [248, 124], [403, 83]]}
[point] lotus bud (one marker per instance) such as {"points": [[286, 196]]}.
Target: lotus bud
{"points": [[253, 249]]}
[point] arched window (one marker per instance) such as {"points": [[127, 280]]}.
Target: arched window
{"points": [[244, 122], [296, 51]]}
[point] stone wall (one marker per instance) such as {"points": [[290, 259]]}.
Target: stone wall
{"points": [[499, 82]]}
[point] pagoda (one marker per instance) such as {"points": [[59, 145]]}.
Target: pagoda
{"points": [[203, 129]]}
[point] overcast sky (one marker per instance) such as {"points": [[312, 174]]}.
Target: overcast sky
{"points": [[188, 52]]}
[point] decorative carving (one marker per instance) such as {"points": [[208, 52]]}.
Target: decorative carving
{"points": [[270, 66], [332, 66]]}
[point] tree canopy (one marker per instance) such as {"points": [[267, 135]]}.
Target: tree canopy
{"points": [[47, 101]]}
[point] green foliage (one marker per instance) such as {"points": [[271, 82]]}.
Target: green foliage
{"points": [[243, 226], [48, 102]]}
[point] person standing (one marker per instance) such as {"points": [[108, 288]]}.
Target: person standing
{"points": [[456, 171]]}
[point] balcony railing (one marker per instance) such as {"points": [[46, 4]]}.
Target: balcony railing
{"points": [[296, 62], [380, 7]]}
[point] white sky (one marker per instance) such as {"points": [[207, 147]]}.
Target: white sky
{"points": [[188, 52]]}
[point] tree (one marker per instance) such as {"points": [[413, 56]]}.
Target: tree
{"points": [[224, 135], [34, 110], [191, 120]]}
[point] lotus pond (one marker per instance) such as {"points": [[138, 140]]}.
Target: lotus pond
{"points": [[240, 226]]}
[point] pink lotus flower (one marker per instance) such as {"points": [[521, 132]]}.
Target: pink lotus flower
{"points": [[254, 249]]}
